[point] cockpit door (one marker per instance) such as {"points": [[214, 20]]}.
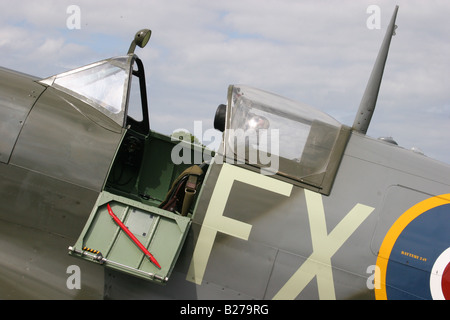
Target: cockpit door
{"points": [[104, 241]]}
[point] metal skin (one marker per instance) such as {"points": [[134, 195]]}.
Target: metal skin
{"points": [[375, 234], [18, 94], [56, 168]]}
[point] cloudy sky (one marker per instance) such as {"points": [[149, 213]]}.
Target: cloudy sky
{"points": [[317, 52]]}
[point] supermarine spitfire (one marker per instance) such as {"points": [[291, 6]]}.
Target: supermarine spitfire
{"points": [[293, 205]]}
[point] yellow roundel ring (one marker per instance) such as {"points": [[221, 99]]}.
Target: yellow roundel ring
{"points": [[394, 232]]}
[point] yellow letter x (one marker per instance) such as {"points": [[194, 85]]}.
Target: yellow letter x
{"points": [[324, 247]]}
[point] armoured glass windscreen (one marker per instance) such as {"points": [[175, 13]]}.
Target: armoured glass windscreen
{"points": [[278, 134], [103, 85]]}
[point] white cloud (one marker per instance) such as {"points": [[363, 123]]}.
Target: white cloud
{"points": [[320, 53]]}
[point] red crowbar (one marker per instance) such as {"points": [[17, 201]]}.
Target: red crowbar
{"points": [[132, 237]]}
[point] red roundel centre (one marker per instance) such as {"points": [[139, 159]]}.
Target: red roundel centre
{"points": [[446, 282]]}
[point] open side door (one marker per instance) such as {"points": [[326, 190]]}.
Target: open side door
{"points": [[103, 241]]}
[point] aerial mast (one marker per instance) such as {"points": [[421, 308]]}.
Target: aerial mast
{"points": [[369, 99]]}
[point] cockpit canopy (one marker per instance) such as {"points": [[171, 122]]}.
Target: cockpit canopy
{"points": [[282, 137]]}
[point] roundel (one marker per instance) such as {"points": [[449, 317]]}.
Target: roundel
{"points": [[414, 258], [440, 277]]}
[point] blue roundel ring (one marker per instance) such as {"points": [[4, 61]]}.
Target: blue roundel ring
{"points": [[414, 258]]}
